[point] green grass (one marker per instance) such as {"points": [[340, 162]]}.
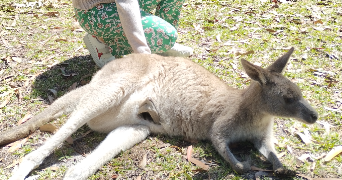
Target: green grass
{"points": [[218, 31]]}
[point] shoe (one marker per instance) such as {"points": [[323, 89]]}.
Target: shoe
{"points": [[98, 51], [178, 50]]}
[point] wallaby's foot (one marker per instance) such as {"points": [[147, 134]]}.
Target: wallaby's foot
{"points": [[242, 167], [282, 172], [23, 170], [73, 174]]}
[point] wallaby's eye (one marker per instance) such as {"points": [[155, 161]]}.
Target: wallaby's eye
{"points": [[289, 99]]}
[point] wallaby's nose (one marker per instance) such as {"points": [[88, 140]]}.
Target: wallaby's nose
{"points": [[314, 116]]}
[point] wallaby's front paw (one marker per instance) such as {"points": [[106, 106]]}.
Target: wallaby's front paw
{"points": [[242, 167], [282, 172]]}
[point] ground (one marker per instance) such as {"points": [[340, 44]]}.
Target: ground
{"points": [[43, 57]]}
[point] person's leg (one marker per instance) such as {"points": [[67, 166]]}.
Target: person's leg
{"points": [[103, 22], [160, 35], [169, 10], [90, 21]]}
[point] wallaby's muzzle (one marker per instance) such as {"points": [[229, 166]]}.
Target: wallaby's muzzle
{"points": [[307, 114]]}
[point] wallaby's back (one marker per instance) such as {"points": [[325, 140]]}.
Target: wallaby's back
{"points": [[188, 97]]}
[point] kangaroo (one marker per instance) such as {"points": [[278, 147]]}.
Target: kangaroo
{"points": [[130, 98]]}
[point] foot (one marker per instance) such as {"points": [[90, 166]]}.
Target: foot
{"points": [[178, 50], [98, 51], [242, 167]]}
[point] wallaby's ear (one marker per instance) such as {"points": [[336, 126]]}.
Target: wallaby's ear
{"points": [[280, 63], [254, 72]]}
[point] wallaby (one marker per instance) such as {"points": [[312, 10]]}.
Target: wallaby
{"points": [[130, 98]]}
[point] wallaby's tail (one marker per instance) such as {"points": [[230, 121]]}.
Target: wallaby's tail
{"points": [[63, 105]]}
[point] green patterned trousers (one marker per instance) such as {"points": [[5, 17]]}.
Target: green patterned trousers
{"points": [[160, 31]]}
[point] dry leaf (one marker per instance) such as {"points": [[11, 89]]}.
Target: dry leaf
{"points": [[19, 95], [25, 118], [234, 28], [240, 53], [282, 145], [77, 49], [48, 128], [189, 152], [4, 103], [73, 86], [199, 164], [304, 157], [318, 22], [143, 162], [70, 140], [303, 30], [54, 168], [228, 43], [138, 178], [271, 30], [16, 145], [289, 149], [312, 167], [334, 152], [218, 38], [17, 59], [59, 40], [281, 154], [195, 161], [5, 42], [305, 138], [79, 30], [326, 126], [297, 21], [52, 14]]}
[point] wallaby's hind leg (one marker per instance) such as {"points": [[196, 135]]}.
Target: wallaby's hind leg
{"points": [[63, 105], [118, 140], [94, 102]]}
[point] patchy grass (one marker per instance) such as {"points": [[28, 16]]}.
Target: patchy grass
{"points": [[42, 48]]}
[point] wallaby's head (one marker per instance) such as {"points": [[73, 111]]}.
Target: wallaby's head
{"points": [[278, 95]]}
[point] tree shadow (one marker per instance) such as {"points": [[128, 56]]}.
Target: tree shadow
{"points": [[60, 77]]}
